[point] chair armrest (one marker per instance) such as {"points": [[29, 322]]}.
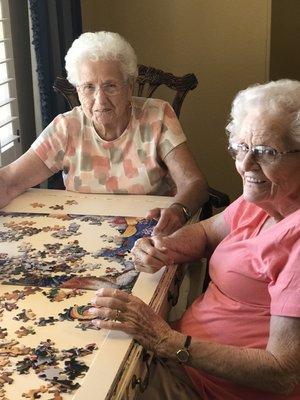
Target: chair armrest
{"points": [[218, 199]]}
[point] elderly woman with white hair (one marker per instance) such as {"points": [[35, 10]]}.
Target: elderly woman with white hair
{"points": [[241, 338], [113, 142]]}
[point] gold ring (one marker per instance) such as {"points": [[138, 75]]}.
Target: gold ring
{"points": [[118, 312]]}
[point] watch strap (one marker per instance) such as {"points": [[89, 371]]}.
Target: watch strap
{"points": [[187, 342], [183, 354]]}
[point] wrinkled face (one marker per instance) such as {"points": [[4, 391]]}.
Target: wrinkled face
{"points": [[275, 184], [106, 110]]}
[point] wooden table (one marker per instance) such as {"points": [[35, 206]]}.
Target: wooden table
{"points": [[115, 369]]}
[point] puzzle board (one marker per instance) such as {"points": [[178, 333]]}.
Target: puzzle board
{"points": [[41, 250]]}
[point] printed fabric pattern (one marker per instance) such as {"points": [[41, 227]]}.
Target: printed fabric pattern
{"points": [[131, 164]]}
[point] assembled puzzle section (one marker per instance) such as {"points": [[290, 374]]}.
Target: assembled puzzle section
{"points": [[71, 251]]}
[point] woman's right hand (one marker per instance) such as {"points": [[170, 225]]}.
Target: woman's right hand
{"points": [[169, 220], [150, 254], [117, 310]]}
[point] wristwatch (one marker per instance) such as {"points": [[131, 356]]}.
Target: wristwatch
{"points": [[186, 212], [183, 354]]}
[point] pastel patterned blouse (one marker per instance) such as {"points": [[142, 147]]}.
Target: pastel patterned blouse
{"points": [[133, 163]]}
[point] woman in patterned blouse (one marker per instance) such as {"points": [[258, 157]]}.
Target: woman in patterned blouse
{"points": [[113, 142]]}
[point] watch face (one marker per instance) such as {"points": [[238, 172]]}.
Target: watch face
{"points": [[183, 355]]}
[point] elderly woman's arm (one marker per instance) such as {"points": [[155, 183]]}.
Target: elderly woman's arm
{"points": [[274, 369], [25, 172], [191, 190], [189, 243]]}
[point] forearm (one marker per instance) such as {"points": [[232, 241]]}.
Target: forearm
{"points": [[192, 194], [9, 189], [187, 244], [275, 369], [25, 172], [255, 368], [190, 183]]}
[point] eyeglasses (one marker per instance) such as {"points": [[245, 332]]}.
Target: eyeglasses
{"points": [[110, 89], [260, 154]]}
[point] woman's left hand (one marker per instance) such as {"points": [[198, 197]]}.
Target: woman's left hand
{"points": [[131, 315], [169, 220]]}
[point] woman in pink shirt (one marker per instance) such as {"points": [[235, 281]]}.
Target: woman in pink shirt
{"points": [[113, 142], [241, 338]]}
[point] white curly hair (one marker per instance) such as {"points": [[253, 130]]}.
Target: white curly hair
{"points": [[96, 46], [275, 97]]}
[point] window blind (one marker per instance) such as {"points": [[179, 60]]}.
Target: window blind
{"points": [[9, 121]]}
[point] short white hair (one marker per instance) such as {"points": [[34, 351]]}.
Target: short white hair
{"points": [[96, 46], [280, 97]]}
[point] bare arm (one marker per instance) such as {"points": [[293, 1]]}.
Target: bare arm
{"points": [[187, 244], [27, 171], [191, 189], [275, 369], [190, 182]]}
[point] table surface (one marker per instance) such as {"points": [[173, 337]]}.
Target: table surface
{"points": [[113, 347]]}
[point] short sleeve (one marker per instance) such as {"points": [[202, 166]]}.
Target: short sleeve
{"points": [[51, 144], [172, 134], [284, 289], [232, 213]]}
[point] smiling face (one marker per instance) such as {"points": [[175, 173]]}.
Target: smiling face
{"points": [[110, 114], [273, 186]]}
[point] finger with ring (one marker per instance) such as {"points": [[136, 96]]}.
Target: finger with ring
{"points": [[118, 312]]}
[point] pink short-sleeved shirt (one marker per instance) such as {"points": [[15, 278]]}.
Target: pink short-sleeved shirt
{"points": [[254, 275], [133, 163]]}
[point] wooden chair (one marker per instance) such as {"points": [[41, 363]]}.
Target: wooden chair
{"points": [[148, 80]]}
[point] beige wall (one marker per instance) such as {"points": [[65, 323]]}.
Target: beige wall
{"points": [[285, 39], [224, 42]]}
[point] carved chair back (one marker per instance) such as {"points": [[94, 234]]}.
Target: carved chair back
{"points": [[148, 80]]}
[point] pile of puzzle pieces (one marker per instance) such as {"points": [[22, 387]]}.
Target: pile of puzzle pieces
{"points": [[58, 368]]}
